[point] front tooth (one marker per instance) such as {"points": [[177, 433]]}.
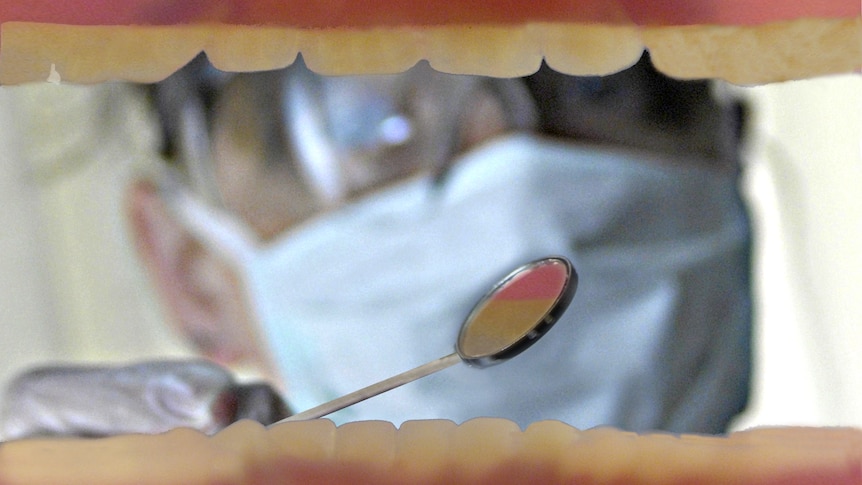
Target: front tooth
{"points": [[755, 55], [245, 49], [823, 455], [179, 456], [246, 439], [501, 51], [424, 451], [606, 455], [651, 463], [312, 440], [481, 445], [546, 442], [590, 49], [374, 51], [366, 442]]}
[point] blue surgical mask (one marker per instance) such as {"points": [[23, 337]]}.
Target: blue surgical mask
{"points": [[656, 338]]}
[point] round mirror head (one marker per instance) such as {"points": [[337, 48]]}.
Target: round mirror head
{"points": [[517, 311]]}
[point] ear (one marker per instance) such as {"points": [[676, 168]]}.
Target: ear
{"points": [[202, 292]]}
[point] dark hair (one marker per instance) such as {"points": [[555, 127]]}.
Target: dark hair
{"points": [[641, 108], [196, 84]]}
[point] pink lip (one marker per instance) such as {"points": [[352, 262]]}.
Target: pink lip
{"points": [[351, 14]]}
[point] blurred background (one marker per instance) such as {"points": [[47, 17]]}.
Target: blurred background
{"points": [[71, 288]]}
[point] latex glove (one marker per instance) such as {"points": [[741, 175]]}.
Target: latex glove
{"points": [[149, 397]]}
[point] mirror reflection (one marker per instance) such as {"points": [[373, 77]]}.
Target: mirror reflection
{"points": [[289, 228], [519, 310]]}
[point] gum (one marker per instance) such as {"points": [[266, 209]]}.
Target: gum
{"points": [[368, 13]]}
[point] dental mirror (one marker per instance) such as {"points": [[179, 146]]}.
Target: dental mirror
{"points": [[515, 313]]}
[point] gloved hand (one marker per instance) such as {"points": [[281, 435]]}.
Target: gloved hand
{"points": [[149, 397]]}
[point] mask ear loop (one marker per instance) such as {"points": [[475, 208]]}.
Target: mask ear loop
{"points": [[214, 227], [195, 151]]}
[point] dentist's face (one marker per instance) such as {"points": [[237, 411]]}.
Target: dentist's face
{"points": [[285, 146], [310, 278]]}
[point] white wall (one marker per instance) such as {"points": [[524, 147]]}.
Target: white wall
{"points": [[27, 312], [68, 153], [805, 188]]}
